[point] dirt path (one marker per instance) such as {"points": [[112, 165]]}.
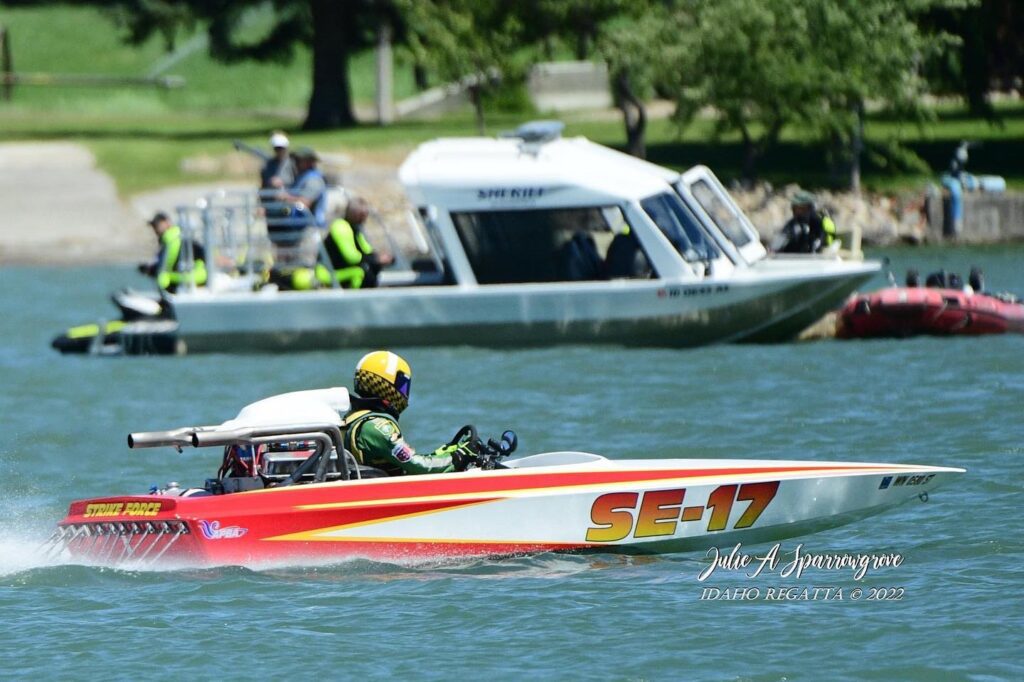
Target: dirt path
{"points": [[58, 208]]}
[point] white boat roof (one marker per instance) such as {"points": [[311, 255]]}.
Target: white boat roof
{"points": [[477, 172]]}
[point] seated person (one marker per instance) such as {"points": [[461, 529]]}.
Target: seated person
{"points": [[625, 258], [977, 280], [169, 268], [809, 230], [308, 197], [382, 385], [936, 280], [350, 257]]}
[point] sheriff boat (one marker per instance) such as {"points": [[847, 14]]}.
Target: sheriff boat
{"points": [[526, 239]]}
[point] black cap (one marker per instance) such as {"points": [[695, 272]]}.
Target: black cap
{"points": [[158, 217]]}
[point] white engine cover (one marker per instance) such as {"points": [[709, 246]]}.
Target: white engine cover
{"points": [[317, 406]]}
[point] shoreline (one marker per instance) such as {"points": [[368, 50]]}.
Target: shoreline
{"points": [[66, 211]]}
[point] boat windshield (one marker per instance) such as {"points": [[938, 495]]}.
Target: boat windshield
{"points": [[681, 227], [551, 245], [723, 215]]}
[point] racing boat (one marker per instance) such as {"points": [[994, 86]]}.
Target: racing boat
{"points": [[910, 311], [284, 496]]}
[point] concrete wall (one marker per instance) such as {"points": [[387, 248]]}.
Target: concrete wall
{"points": [[565, 86], [987, 218]]}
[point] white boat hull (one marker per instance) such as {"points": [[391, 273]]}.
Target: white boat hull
{"points": [[565, 501], [759, 307]]}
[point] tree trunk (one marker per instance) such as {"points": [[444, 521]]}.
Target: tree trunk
{"points": [[330, 105], [634, 115], [856, 146], [476, 98], [751, 152], [582, 44], [974, 60], [420, 77]]}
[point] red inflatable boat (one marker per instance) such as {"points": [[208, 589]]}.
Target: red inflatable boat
{"points": [[909, 311]]}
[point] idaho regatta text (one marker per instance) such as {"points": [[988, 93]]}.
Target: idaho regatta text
{"points": [[753, 566]]}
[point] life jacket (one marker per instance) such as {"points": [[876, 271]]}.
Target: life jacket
{"points": [[171, 266], [353, 422], [351, 257]]}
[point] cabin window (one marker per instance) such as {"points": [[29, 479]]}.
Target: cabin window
{"points": [[720, 212], [551, 245], [681, 227]]}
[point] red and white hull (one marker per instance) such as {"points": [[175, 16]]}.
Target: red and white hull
{"points": [[548, 502]]}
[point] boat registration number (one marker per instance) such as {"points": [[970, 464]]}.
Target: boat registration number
{"points": [[654, 513]]}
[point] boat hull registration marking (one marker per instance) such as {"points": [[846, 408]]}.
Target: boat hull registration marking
{"points": [[660, 511]]}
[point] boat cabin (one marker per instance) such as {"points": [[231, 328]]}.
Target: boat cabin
{"points": [[533, 207]]}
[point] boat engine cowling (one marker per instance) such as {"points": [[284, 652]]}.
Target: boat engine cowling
{"points": [[322, 405]]}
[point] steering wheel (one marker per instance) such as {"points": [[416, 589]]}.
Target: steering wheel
{"points": [[469, 435]]}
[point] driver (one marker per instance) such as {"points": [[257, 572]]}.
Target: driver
{"points": [[382, 384]]}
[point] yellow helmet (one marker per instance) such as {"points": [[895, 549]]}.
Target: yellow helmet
{"points": [[384, 375]]}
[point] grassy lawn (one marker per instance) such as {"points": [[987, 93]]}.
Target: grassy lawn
{"points": [[145, 152], [141, 136], [77, 40]]}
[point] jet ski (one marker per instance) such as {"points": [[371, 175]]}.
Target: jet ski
{"points": [[146, 327], [910, 311], [288, 493]]}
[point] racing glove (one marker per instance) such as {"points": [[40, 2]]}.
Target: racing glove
{"points": [[463, 456]]}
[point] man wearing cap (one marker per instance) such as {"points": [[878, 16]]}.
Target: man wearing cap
{"points": [[809, 230], [309, 189], [278, 170], [170, 268]]}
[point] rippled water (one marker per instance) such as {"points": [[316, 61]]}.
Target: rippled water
{"points": [[953, 402]]}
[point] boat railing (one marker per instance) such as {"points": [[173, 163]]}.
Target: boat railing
{"points": [[247, 234]]}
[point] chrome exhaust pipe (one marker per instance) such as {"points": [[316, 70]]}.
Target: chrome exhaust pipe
{"points": [[155, 439]]}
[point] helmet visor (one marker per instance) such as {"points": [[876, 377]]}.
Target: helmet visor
{"points": [[403, 383]]}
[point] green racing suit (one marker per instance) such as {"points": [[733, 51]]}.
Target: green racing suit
{"points": [[375, 439]]}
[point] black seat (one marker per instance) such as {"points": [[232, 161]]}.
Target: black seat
{"points": [[625, 258], [579, 260]]}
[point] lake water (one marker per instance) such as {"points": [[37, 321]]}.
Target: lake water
{"points": [[954, 402]]}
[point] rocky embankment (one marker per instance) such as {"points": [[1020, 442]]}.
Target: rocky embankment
{"points": [[881, 219], [62, 209]]}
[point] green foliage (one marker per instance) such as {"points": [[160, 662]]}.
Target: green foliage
{"points": [[579, 24], [72, 40], [465, 39], [761, 65]]}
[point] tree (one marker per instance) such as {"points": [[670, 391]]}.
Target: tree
{"points": [[990, 53], [474, 42], [747, 61], [632, 53], [332, 28], [621, 32], [577, 23], [760, 65]]}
